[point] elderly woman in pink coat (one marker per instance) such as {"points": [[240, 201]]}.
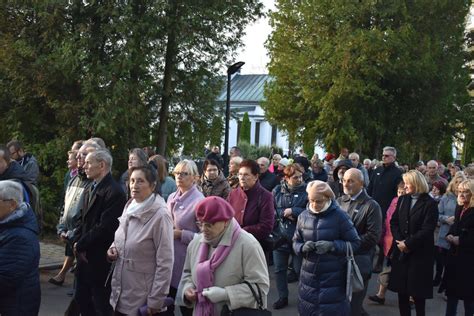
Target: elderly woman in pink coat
{"points": [[182, 204], [142, 250]]}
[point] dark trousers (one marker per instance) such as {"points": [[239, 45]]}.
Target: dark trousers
{"points": [[441, 255], [452, 306], [358, 298], [404, 305], [92, 297]]}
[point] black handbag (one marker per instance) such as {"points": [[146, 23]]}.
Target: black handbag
{"points": [[245, 311]]}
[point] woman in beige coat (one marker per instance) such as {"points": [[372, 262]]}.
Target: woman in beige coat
{"points": [[219, 260], [142, 249]]}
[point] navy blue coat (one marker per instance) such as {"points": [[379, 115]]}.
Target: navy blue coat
{"points": [[295, 198], [322, 287], [20, 292]]}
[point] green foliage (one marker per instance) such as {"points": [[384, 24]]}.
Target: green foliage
{"points": [[253, 152], [217, 130], [72, 69], [368, 74], [245, 129], [468, 150]]}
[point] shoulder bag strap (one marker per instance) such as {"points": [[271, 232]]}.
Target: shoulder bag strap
{"points": [[257, 298]]}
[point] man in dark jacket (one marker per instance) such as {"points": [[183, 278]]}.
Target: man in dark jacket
{"points": [[26, 160], [367, 218], [103, 204], [12, 170], [20, 292], [383, 188], [267, 179]]}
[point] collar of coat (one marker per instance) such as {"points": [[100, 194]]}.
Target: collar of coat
{"points": [[99, 190], [148, 210], [362, 197]]}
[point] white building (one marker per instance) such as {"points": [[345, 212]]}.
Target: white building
{"points": [[246, 96]]}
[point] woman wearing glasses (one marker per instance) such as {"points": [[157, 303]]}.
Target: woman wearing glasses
{"points": [[219, 261], [182, 204], [253, 205], [213, 182], [459, 277], [291, 199]]}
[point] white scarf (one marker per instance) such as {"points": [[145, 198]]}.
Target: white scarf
{"points": [[135, 207], [326, 206]]}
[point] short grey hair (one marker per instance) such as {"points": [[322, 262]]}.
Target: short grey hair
{"points": [[354, 156], [264, 160], [367, 160], [432, 163], [237, 160], [390, 148], [11, 190], [102, 156]]}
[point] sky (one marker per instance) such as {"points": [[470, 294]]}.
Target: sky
{"points": [[254, 53]]}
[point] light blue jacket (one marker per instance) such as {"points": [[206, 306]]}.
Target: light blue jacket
{"points": [[446, 207]]}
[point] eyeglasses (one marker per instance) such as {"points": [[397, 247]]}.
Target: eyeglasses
{"points": [[385, 156], [6, 200], [202, 225], [181, 174]]}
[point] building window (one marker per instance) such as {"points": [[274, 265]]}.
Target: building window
{"points": [[274, 134], [257, 134]]}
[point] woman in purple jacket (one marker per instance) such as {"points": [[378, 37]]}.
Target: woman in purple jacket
{"points": [[253, 204], [181, 205]]}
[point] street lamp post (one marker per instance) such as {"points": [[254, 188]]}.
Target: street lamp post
{"points": [[230, 71]]}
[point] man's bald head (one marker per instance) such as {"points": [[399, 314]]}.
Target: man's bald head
{"points": [[353, 181]]}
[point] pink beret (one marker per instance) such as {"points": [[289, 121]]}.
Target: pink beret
{"points": [[214, 209]]}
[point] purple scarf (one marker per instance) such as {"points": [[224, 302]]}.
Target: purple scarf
{"points": [[205, 270]]}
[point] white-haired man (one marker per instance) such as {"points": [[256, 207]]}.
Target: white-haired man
{"points": [[103, 204]]}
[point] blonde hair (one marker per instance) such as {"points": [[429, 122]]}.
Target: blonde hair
{"points": [[468, 185], [451, 186], [417, 179], [188, 166]]}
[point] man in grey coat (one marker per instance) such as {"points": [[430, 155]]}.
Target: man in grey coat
{"points": [[367, 218]]}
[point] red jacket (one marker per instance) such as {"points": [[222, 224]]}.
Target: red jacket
{"points": [[254, 210]]}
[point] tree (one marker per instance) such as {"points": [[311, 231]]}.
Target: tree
{"points": [[245, 129], [199, 38], [75, 69], [368, 74]]}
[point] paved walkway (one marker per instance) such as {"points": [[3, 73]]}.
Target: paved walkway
{"points": [[52, 256]]}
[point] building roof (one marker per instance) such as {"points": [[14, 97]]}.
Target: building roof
{"points": [[245, 89]]}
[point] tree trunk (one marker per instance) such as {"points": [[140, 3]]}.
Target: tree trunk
{"points": [[171, 51]]}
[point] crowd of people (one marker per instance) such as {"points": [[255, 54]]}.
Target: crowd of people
{"points": [[201, 241]]}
